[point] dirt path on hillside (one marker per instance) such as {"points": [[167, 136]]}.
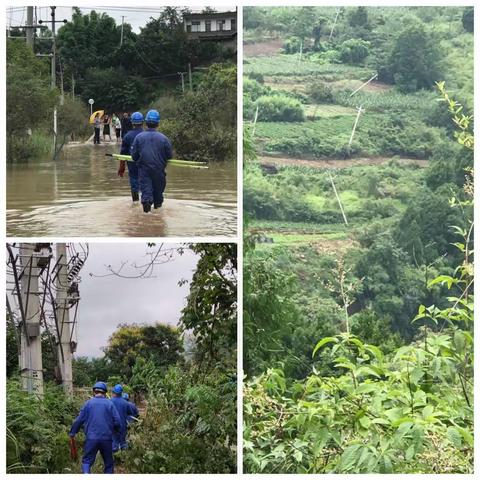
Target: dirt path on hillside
{"points": [[337, 163], [259, 49]]}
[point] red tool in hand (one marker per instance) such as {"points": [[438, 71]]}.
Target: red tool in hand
{"points": [[73, 449], [121, 168]]}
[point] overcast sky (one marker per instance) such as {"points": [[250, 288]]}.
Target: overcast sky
{"points": [[136, 16], [109, 301]]}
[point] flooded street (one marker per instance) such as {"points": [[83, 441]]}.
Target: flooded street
{"points": [[80, 194]]}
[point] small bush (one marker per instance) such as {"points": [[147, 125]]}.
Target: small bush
{"points": [[292, 45], [354, 51], [320, 92], [279, 108]]}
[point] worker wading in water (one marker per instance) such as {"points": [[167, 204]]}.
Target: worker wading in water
{"points": [[126, 149], [100, 420], [151, 150], [125, 411]]}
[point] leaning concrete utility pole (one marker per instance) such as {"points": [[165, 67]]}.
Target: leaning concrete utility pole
{"points": [[255, 122], [338, 200], [63, 319], [364, 84], [359, 111], [334, 23], [31, 369]]}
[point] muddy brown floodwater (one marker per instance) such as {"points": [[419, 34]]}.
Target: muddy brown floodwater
{"points": [[80, 194]]}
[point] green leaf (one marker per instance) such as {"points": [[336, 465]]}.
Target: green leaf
{"points": [[322, 342], [410, 453], [298, 455], [467, 436], [366, 388], [455, 437], [441, 279], [350, 457]]}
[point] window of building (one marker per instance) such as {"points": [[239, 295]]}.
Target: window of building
{"points": [[208, 25], [234, 23], [220, 25], [195, 26]]}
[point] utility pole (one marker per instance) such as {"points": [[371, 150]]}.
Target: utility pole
{"points": [[29, 29], [73, 87], [359, 111], [183, 81], [121, 31], [63, 318], [334, 23], [338, 199], [54, 49], [300, 52], [255, 122], [53, 70], [31, 369], [364, 84], [190, 76]]}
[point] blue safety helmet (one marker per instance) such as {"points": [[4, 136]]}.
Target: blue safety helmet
{"points": [[136, 118], [118, 389], [125, 396], [100, 386], [152, 117]]}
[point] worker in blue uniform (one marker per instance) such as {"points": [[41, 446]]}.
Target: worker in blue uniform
{"points": [[126, 149], [151, 150], [134, 408], [124, 411], [100, 420]]}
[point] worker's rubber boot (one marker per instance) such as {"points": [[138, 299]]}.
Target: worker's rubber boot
{"points": [[147, 207], [157, 205], [86, 467], [135, 196]]}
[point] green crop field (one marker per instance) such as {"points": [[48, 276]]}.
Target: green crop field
{"points": [[288, 65]]}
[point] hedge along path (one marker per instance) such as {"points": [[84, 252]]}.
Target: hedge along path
{"points": [[337, 163]]}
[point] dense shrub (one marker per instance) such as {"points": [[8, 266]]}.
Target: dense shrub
{"points": [[189, 425], [279, 108], [320, 92], [292, 45], [255, 89], [354, 51], [37, 430]]}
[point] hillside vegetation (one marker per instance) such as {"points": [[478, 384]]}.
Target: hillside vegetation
{"points": [[358, 300]]}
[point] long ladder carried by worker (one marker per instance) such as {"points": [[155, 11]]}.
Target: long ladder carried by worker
{"points": [[175, 162]]}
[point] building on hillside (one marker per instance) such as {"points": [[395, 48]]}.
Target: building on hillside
{"points": [[213, 27]]}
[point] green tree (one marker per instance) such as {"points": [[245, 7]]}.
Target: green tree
{"points": [[354, 51], [468, 19], [358, 17], [29, 98], [114, 90], [415, 59], [160, 343], [211, 310], [12, 350]]}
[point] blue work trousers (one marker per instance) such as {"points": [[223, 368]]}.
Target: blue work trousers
{"points": [[120, 440], [90, 450], [152, 185], [133, 176]]}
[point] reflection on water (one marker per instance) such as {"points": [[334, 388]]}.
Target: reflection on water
{"points": [[80, 194]]}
